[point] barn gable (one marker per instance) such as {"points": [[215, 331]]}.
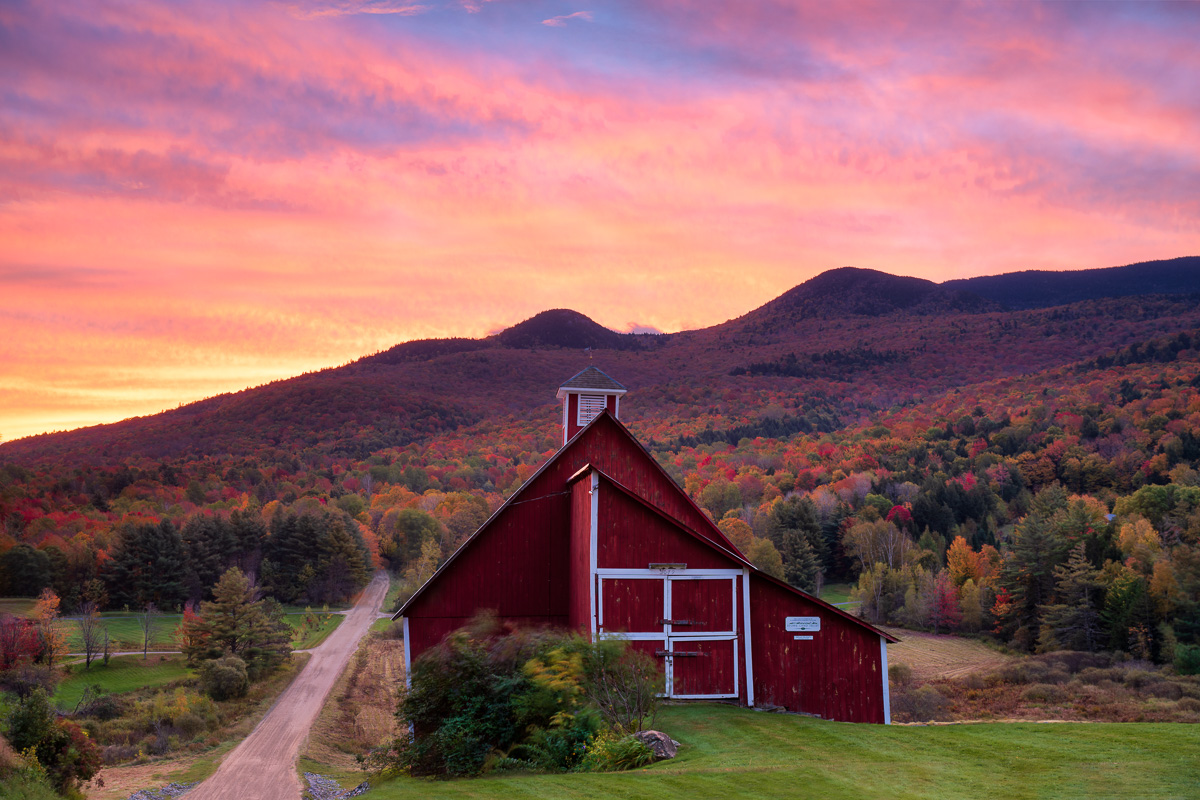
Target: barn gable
{"points": [[602, 540]]}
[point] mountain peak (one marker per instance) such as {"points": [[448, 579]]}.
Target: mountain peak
{"points": [[561, 327], [867, 292]]}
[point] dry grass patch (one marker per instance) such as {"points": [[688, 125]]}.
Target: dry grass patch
{"points": [[933, 657], [360, 712]]}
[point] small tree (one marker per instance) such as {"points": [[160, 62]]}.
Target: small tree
{"points": [[235, 622], [146, 621], [90, 632], [45, 612], [944, 611]]}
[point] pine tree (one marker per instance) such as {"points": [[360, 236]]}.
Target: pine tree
{"points": [[1028, 573], [1073, 622], [149, 567], [800, 565], [236, 623]]}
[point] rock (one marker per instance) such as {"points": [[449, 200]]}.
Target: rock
{"points": [[322, 788], [168, 792], [660, 744]]}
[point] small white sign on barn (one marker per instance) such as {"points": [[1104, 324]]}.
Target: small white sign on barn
{"points": [[802, 624]]}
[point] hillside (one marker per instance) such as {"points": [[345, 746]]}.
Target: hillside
{"points": [[857, 340], [974, 437]]}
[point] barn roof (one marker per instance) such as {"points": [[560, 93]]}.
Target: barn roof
{"points": [[592, 378]]}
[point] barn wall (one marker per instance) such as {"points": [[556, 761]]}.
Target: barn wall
{"points": [[632, 536], [580, 566], [837, 675], [616, 454]]}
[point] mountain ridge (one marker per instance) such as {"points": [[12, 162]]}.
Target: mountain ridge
{"points": [[892, 339]]}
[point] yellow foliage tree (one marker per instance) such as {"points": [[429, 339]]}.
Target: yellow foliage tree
{"points": [[45, 612], [962, 561]]}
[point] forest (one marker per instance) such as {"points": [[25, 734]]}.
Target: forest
{"points": [[1027, 475]]}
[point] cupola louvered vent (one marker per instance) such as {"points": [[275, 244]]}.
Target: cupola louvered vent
{"points": [[590, 406]]}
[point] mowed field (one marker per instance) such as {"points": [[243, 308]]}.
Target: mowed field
{"points": [[734, 752], [121, 674], [933, 657]]}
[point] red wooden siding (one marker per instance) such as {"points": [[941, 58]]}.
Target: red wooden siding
{"points": [[632, 604], [532, 564], [632, 536], [706, 605], [709, 672], [835, 675], [580, 611]]}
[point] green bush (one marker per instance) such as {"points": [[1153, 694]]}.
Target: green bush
{"points": [[490, 697], [610, 752], [1187, 659], [224, 678], [60, 746], [1044, 693]]}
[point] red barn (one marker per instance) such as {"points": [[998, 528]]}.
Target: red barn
{"points": [[601, 539]]}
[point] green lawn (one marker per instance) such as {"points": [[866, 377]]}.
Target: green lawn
{"points": [[836, 593], [123, 674], [306, 637], [17, 606], [736, 753], [125, 632]]}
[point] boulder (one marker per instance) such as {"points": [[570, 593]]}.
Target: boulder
{"points": [[660, 744]]}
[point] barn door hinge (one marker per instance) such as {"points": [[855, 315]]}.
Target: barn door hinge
{"points": [[682, 653], [676, 622]]}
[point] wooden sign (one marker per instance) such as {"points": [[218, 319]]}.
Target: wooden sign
{"points": [[802, 624]]}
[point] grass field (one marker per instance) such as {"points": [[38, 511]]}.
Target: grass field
{"points": [[17, 606], [836, 593], [123, 674], [306, 637], [731, 752], [125, 632], [932, 657]]}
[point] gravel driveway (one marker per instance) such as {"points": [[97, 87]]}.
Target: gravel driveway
{"points": [[263, 767]]}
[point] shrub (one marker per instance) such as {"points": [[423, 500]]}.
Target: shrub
{"points": [[60, 746], [1187, 659], [1164, 690], [224, 678], [459, 707], [1044, 693], [98, 704], [900, 674], [622, 683], [1073, 661], [921, 705], [494, 697], [610, 752]]}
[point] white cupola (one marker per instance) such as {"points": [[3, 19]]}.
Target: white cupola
{"points": [[585, 396]]}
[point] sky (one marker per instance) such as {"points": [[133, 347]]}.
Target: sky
{"points": [[198, 196]]}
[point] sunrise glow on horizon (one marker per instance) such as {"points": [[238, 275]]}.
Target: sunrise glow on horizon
{"points": [[197, 197]]}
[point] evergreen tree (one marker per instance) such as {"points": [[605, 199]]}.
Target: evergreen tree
{"points": [[1073, 622], [237, 623], [800, 567], [1128, 615], [797, 515], [148, 567], [1028, 574]]}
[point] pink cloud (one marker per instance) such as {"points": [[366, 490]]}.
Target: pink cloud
{"points": [[562, 20]]}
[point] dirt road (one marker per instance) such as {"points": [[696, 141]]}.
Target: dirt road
{"points": [[263, 767]]}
